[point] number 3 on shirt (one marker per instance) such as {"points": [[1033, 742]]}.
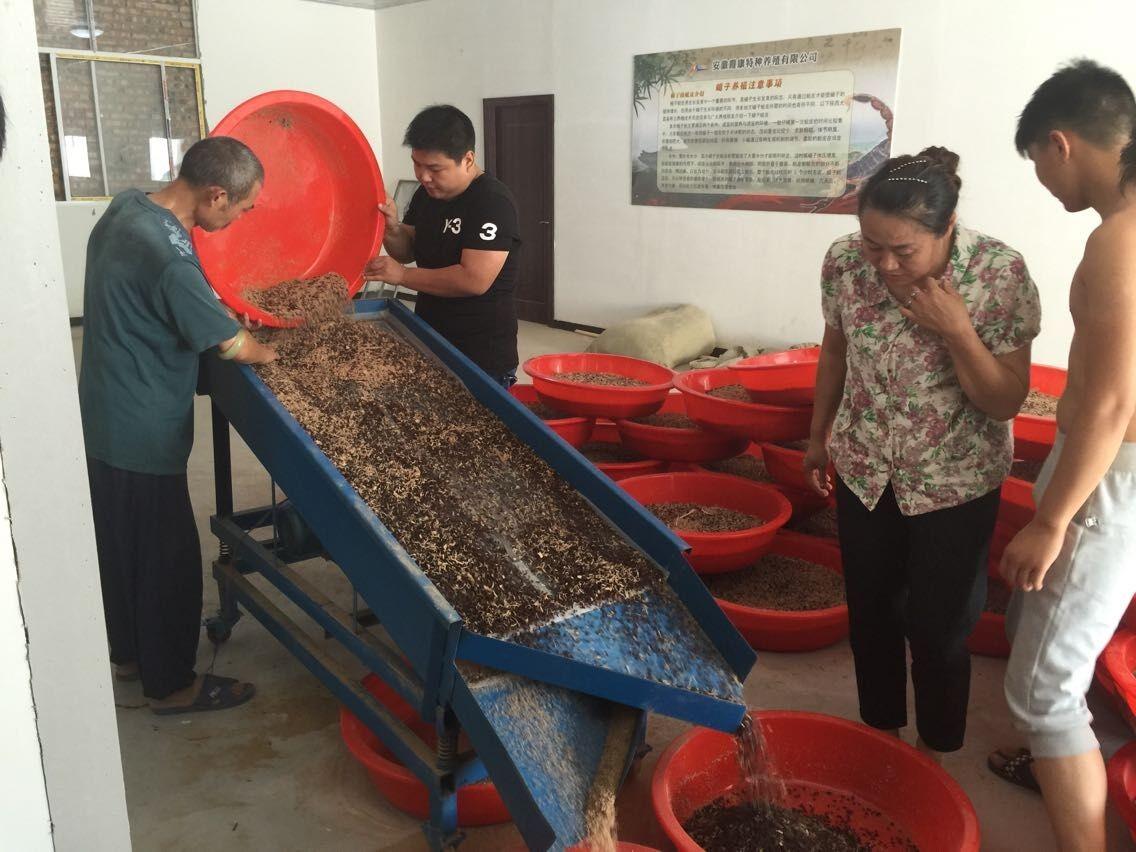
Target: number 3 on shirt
{"points": [[488, 231], [453, 226]]}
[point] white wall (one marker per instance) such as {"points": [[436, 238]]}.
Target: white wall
{"points": [[23, 795], [967, 68], [48, 519], [254, 46]]}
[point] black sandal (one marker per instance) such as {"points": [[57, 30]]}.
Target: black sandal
{"points": [[216, 693], [1017, 768]]}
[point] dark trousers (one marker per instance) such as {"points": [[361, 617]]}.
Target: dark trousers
{"points": [[150, 566], [921, 579]]}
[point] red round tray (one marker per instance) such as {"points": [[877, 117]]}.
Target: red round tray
{"points": [[988, 639], [804, 630], [787, 466], [1017, 508], [1119, 661], [478, 803], [814, 753], [606, 432], [804, 503], [1003, 534], [710, 552], [744, 419], [780, 378], [318, 211], [1033, 435], [1122, 784], [575, 430], [681, 445], [599, 400]]}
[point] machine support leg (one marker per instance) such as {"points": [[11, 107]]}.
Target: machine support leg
{"points": [[220, 627]]}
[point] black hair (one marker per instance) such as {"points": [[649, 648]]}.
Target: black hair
{"points": [[441, 128], [1128, 163], [1083, 97], [3, 128], [225, 162], [924, 188]]}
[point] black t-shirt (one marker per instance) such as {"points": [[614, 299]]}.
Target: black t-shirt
{"points": [[484, 217]]}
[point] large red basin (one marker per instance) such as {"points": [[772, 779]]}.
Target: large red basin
{"points": [[679, 445], [318, 211], [814, 753], [803, 630], [743, 419], [575, 430], [586, 400], [1122, 784], [478, 803], [714, 552], [1033, 435], [780, 378]]}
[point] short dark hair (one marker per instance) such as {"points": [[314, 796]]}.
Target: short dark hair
{"points": [[225, 162], [924, 188], [442, 128], [1083, 97], [1128, 163]]}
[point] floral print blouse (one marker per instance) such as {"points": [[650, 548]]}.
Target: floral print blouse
{"points": [[904, 418]]}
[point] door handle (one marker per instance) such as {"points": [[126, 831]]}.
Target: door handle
{"points": [[544, 222]]}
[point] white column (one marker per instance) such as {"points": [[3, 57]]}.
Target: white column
{"points": [[47, 527]]}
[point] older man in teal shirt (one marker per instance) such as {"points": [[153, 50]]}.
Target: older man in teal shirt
{"points": [[148, 315]]}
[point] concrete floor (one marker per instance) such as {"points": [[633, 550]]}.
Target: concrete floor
{"points": [[274, 774]]}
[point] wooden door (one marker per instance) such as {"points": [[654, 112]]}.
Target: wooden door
{"points": [[518, 152]]}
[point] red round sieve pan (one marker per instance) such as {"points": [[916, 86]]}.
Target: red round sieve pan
{"points": [[318, 211]]}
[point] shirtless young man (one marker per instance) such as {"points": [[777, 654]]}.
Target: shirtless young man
{"points": [[1073, 567]]}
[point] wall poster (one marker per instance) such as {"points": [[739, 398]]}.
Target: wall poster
{"points": [[793, 126]]}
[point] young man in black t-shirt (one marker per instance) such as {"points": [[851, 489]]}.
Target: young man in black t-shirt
{"points": [[461, 230]]}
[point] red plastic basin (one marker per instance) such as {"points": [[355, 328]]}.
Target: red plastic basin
{"points": [[599, 400], [318, 211], [1122, 784], [804, 630], [575, 430], [780, 378], [1003, 535], [714, 552], [1129, 617], [1017, 508], [606, 432], [1119, 661], [814, 753], [744, 419], [679, 445], [787, 466], [988, 639], [804, 502], [478, 803], [1033, 435]]}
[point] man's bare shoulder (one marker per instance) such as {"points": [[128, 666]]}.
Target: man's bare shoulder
{"points": [[1117, 233]]}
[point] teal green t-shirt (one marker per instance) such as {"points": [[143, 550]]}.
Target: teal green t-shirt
{"points": [[147, 314]]}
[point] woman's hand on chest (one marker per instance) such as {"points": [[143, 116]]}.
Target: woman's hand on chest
{"points": [[937, 306]]}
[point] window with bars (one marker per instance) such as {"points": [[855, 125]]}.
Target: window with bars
{"points": [[122, 91]]}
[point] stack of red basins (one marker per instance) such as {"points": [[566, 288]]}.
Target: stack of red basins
{"points": [[694, 457], [1034, 436]]}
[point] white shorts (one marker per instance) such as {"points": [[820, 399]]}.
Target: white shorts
{"points": [[1058, 632]]}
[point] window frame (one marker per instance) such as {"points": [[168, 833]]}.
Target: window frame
{"points": [[93, 57]]}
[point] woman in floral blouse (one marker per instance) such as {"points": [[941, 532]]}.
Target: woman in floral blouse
{"points": [[925, 359]]}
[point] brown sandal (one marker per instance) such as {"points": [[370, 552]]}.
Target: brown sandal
{"points": [[1016, 767]]}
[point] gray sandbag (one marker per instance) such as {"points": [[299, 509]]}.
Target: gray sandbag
{"points": [[667, 336]]}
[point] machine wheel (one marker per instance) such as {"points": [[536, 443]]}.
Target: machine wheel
{"points": [[218, 631]]}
